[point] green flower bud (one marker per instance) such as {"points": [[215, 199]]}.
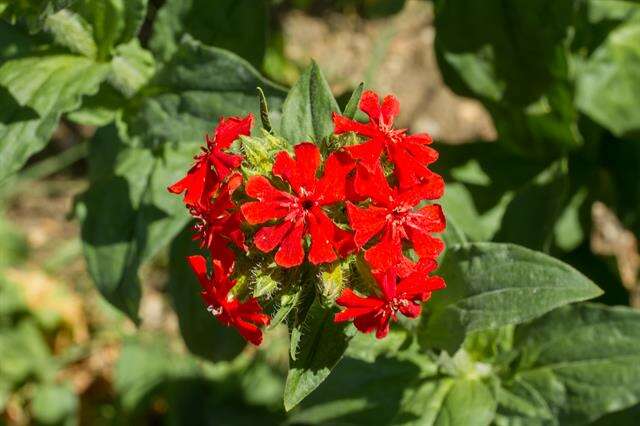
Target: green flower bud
{"points": [[331, 281], [259, 151], [265, 280]]}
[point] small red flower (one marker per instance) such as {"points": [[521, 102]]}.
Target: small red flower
{"points": [[409, 153], [218, 222], [301, 210], [394, 216], [244, 316], [374, 312], [213, 165]]}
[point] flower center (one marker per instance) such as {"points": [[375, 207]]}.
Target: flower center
{"points": [[307, 204], [396, 303]]}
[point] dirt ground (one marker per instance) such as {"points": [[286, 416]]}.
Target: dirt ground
{"points": [[392, 55]]}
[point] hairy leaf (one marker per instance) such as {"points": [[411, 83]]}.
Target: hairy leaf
{"points": [[306, 114], [583, 360], [491, 285], [319, 346]]}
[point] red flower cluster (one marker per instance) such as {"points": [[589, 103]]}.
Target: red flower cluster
{"points": [[322, 210], [301, 208], [209, 187]]}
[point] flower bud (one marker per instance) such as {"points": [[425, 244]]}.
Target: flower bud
{"points": [[331, 280], [259, 151], [265, 280]]}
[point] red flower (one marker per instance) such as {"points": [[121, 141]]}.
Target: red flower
{"points": [[409, 153], [213, 164], [244, 316], [301, 210], [218, 222], [374, 312], [394, 216]]}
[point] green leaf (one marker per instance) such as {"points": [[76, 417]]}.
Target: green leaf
{"points": [[538, 204], [468, 402], [306, 114], [202, 332], [25, 353], [360, 392], [318, 348], [487, 200], [51, 82], [33, 12], [496, 53], [403, 390], [519, 403], [48, 84], [55, 405], [583, 360], [608, 87], [99, 109], [191, 92], [113, 21], [71, 31], [131, 68], [354, 101], [160, 135], [127, 214], [236, 25], [490, 285], [144, 365]]}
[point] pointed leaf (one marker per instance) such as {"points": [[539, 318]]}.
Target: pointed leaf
{"points": [[127, 214], [306, 114], [352, 106], [583, 360], [491, 285], [318, 349]]}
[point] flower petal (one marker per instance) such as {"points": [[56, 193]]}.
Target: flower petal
{"points": [[196, 184], [321, 230], [387, 254], [259, 187], [425, 245], [291, 252], [230, 128], [367, 153], [224, 163], [307, 163], [343, 124], [411, 310], [262, 211], [370, 105], [250, 332], [389, 110], [373, 184], [199, 266], [268, 237], [366, 222], [429, 218], [331, 188]]}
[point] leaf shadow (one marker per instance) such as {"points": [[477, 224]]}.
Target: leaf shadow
{"points": [[358, 392]]}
